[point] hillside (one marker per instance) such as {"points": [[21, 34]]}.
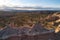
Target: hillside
{"points": [[21, 19], [30, 23]]}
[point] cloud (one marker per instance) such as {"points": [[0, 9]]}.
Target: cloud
{"points": [[5, 2], [20, 3], [51, 6], [9, 3], [12, 3]]}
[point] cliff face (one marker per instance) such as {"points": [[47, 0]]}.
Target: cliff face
{"points": [[52, 21]]}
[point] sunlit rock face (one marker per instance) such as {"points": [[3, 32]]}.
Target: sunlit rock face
{"points": [[57, 29], [56, 14], [53, 21], [58, 22]]}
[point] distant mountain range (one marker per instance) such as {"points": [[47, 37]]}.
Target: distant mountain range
{"points": [[5, 8]]}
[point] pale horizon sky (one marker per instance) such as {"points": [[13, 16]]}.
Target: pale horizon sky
{"points": [[30, 3]]}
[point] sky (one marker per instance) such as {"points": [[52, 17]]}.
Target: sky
{"points": [[30, 3]]}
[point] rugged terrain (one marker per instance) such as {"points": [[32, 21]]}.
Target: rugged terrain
{"points": [[29, 22]]}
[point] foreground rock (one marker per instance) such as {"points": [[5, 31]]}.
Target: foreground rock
{"points": [[37, 31]]}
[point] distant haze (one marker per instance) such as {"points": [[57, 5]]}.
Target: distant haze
{"points": [[6, 8]]}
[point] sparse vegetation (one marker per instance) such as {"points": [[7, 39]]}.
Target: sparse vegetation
{"points": [[30, 18]]}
